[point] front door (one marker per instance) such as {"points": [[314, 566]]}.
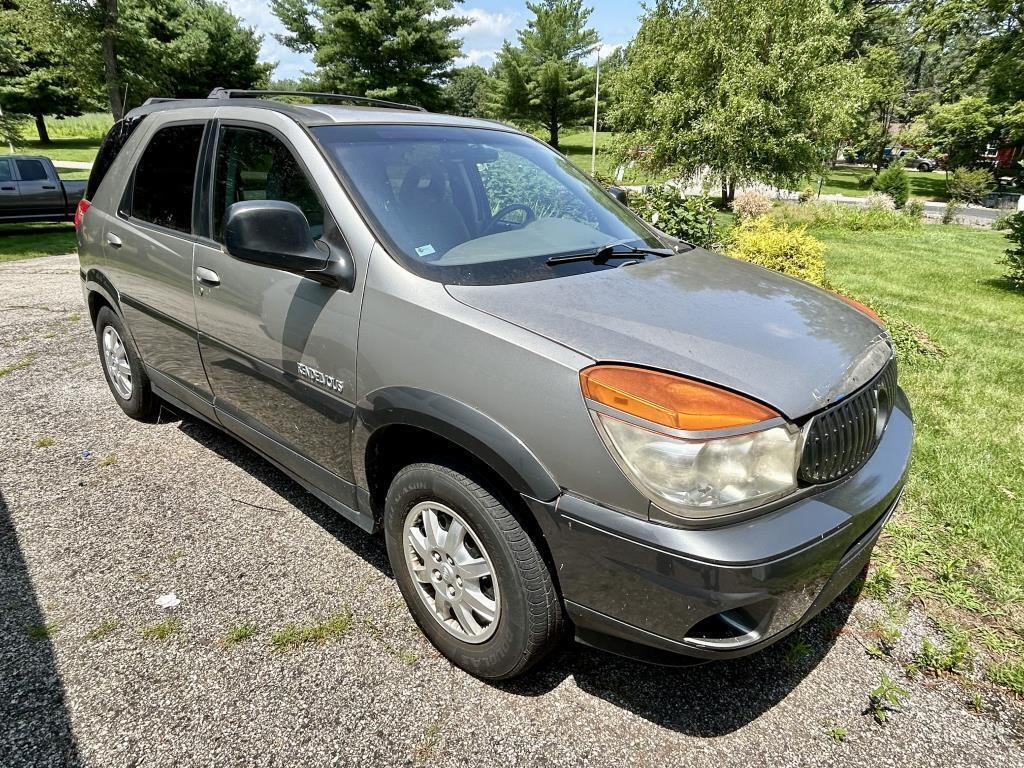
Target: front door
{"points": [[279, 349]]}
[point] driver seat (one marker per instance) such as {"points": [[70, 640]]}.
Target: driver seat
{"points": [[428, 213]]}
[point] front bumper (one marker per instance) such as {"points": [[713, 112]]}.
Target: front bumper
{"points": [[632, 585]]}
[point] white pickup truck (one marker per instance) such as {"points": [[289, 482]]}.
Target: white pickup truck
{"points": [[31, 190]]}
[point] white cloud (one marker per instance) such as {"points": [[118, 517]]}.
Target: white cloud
{"points": [[605, 49], [257, 13], [476, 56], [487, 24]]}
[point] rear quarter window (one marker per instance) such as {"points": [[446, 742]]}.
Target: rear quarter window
{"points": [[111, 147]]}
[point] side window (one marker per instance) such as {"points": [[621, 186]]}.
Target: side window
{"points": [[115, 140], [31, 170], [165, 177], [255, 165], [5, 171]]}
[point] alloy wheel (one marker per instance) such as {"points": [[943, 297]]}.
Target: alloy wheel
{"points": [[115, 359], [451, 572]]}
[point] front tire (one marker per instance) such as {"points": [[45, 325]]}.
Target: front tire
{"points": [[123, 368], [474, 580]]}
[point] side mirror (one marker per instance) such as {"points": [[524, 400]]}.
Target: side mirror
{"points": [[273, 233], [619, 194]]}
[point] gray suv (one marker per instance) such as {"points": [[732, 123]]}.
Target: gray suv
{"points": [[562, 419]]}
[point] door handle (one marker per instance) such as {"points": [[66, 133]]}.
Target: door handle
{"points": [[48, 186], [7, 189], [113, 240], [208, 276]]}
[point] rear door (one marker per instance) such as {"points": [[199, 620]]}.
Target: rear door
{"points": [[279, 349], [8, 189], [38, 193], [148, 251]]}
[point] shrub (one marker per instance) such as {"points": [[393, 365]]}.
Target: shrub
{"points": [[793, 252], [689, 218], [894, 182], [839, 216], [914, 209], [807, 193], [866, 180], [879, 201], [1014, 258], [950, 212], [750, 204], [969, 186]]}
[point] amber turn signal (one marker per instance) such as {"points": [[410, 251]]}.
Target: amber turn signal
{"points": [[862, 307], [671, 401]]}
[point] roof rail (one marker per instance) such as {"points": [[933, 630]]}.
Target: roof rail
{"points": [[235, 93], [159, 100]]}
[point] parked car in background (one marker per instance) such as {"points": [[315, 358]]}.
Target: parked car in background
{"points": [[559, 417], [32, 190], [910, 159]]}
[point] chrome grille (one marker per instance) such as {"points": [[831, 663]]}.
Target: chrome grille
{"points": [[840, 439]]}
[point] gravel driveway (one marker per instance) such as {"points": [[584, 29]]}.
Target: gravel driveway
{"points": [[100, 516]]}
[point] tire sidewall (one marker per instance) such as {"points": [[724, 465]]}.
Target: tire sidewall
{"points": [[139, 406], [502, 653]]}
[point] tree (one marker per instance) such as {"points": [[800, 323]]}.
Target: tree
{"points": [[134, 49], [466, 92], [401, 50], [32, 80], [962, 129], [543, 81], [752, 89]]}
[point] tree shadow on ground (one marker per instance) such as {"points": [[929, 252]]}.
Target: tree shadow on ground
{"points": [[35, 728], [706, 700], [1004, 284]]}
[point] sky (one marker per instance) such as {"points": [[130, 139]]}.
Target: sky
{"points": [[494, 21]]}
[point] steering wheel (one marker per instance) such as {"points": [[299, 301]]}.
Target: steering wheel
{"points": [[500, 214]]}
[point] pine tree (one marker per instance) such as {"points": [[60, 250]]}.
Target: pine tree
{"points": [[543, 80], [402, 50]]}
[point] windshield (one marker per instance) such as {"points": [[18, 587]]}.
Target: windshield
{"points": [[478, 206]]}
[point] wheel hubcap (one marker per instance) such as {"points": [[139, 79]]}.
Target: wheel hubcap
{"points": [[451, 571], [115, 359]]}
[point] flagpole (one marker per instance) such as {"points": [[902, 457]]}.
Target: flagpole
{"points": [[597, 92]]}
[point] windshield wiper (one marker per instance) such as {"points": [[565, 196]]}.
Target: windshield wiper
{"points": [[605, 252]]}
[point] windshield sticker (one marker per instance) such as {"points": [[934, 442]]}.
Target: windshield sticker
{"points": [[425, 250]]}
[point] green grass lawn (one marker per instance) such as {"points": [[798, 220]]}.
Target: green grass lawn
{"points": [[842, 180], [958, 540], [27, 241], [577, 146], [69, 148]]}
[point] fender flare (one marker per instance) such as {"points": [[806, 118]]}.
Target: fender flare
{"points": [[457, 422], [94, 281]]}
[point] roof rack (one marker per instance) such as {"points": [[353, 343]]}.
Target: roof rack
{"points": [[234, 93], [159, 100]]}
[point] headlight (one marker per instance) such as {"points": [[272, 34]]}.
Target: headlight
{"points": [[696, 451]]}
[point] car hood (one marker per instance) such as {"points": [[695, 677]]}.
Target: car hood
{"points": [[781, 341]]}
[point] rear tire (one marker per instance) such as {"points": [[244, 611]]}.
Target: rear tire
{"points": [[478, 586], [123, 368]]}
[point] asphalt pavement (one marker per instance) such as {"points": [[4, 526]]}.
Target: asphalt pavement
{"points": [[101, 516]]}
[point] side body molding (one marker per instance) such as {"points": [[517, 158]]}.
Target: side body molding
{"points": [[457, 422]]}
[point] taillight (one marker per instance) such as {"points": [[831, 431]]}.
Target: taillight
{"points": [[83, 206]]}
